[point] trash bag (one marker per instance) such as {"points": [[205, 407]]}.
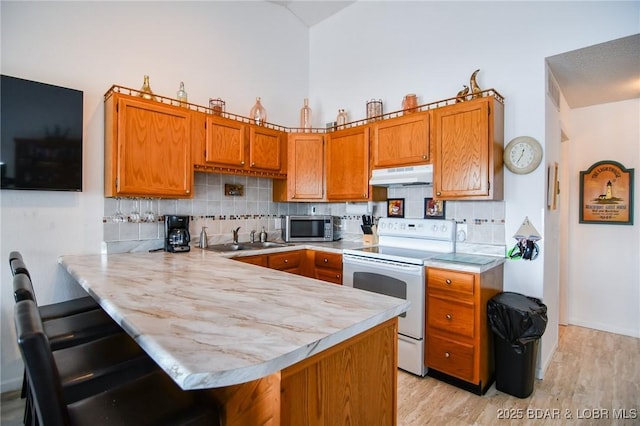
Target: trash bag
{"points": [[516, 318]]}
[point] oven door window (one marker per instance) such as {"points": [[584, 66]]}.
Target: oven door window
{"points": [[381, 284]]}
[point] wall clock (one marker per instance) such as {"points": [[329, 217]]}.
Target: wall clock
{"points": [[522, 155]]}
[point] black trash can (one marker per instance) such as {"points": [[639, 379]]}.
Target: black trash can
{"points": [[517, 322]]}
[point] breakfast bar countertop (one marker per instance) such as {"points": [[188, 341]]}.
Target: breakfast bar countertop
{"points": [[210, 322]]}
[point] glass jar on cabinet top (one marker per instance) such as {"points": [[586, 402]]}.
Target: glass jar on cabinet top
{"points": [[258, 113], [305, 116]]}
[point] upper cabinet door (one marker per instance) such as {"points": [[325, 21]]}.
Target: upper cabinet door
{"points": [[468, 138], [225, 142], [265, 148], [305, 171], [347, 164], [147, 148], [401, 141]]}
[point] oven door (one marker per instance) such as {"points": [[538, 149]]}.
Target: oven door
{"points": [[401, 280]]}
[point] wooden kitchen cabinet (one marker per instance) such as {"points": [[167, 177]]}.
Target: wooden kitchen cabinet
{"points": [[459, 343], [468, 139], [347, 166], [327, 266], [266, 148], [401, 141], [305, 169], [225, 142], [259, 259], [290, 261], [147, 148]]}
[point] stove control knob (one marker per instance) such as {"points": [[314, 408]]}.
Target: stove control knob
{"points": [[434, 228], [444, 228]]}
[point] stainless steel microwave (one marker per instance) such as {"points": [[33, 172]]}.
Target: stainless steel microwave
{"points": [[308, 228]]}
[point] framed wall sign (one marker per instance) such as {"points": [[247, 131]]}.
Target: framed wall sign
{"points": [[433, 209], [395, 207], [606, 194]]}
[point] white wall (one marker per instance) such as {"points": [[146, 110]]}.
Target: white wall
{"points": [[232, 50], [604, 288], [388, 49]]}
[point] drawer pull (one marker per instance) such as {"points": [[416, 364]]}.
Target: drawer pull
{"points": [[448, 281], [286, 261], [448, 316], [447, 355], [326, 260]]}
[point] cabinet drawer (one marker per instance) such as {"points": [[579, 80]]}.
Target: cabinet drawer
{"points": [[450, 316], [328, 260], [282, 261], [329, 275], [450, 357], [449, 280]]}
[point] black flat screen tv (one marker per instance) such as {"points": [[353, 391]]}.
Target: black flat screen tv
{"points": [[40, 136]]}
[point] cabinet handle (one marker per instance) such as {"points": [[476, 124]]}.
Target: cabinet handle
{"points": [[424, 157], [337, 275], [286, 261], [364, 195], [187, 191], [326, 260], [253, 164], [448, 281], [242, 163], [448, 316], [447, 355], [438, 193]]}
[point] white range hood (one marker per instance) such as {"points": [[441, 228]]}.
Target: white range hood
{"points": [[403, 176]]}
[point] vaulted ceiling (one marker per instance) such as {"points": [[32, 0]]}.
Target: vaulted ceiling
{"points": [[603, 73]]}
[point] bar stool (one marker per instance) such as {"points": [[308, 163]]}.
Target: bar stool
{"points": [[150, 399], [55, 310], [69, 330]]}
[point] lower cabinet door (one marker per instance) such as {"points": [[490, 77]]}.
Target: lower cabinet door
{"points": [[451, 357]]}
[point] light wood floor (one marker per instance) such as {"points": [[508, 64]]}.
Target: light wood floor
{"points": [[591, 371]]}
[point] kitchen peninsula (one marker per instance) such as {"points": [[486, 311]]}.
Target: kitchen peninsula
{"points": [[271, 346]]}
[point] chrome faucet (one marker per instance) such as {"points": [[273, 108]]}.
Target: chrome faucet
{"points": [[252, 236], [235, 235]]}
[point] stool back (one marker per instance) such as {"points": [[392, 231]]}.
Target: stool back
{"points": [[23, 288], [42, 373]]}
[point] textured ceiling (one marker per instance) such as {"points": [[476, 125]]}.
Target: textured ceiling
{"points": [[599, 74], [603, 73]]}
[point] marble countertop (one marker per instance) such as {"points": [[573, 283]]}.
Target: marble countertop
{"points": [[209, 321]]}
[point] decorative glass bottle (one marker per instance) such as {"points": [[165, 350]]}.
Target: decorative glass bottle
{"points": [[258, 114], [342, 119], [305, 116], [182, 95], [145, 91]]}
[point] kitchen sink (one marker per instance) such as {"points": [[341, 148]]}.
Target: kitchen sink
{"points": [[266, 244], [246, 246], [228, 247]]}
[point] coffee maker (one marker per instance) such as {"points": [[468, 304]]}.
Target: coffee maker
{"points": [[176, 233]]}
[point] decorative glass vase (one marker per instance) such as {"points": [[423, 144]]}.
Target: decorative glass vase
{"points": [[182, 95], [342, 118], [305, 116], [258, 114], [145, 90]]}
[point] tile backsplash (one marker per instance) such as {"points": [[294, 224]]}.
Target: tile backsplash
{"points": [[255, 209]]}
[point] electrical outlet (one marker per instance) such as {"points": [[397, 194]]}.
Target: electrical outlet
{"points": [[277, 223], [461, 232]]}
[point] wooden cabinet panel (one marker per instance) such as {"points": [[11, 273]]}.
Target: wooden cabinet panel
{"points": [[450, 316], [347, 164], [305, 169], [468, 139], [265, 148], [285, 261], [401, 141], [225, 142], [459, 342], [328, 266], [147, 148], [446, 280], [453, 357], [260, 259]]}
